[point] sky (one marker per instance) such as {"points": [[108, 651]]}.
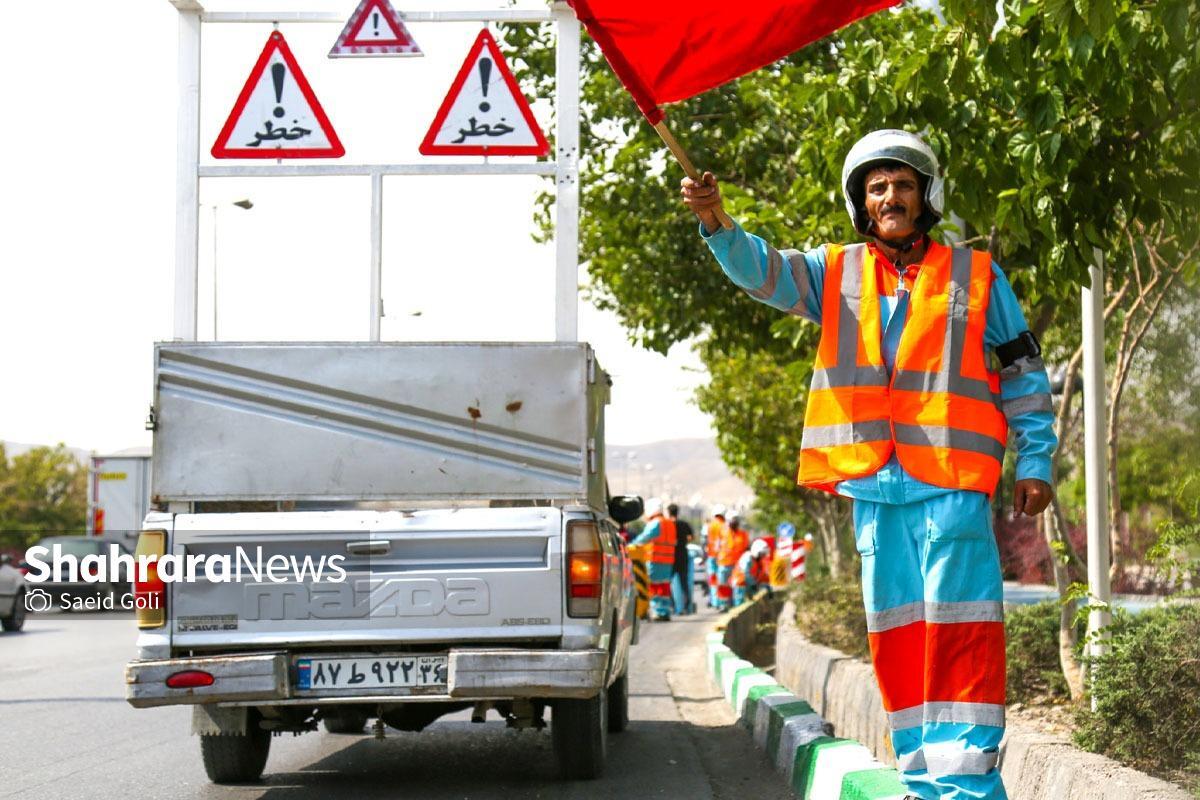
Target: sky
{"points": [[87, 217]]}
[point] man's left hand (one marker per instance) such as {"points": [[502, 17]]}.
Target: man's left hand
{"points": [[1031, 496]]}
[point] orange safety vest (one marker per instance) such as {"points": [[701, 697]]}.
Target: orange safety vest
{"points": [[758, 569], [712, 539], [733, 544], [662, 549], [939, 411]]}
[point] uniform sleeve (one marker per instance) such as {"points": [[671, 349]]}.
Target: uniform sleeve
{"points": [[1024, 386], [648, 534], [788, 280]]}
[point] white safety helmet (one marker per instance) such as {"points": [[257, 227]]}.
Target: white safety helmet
{"points": [[654, 506], [759, 549], [718, 510], [891, 145]]}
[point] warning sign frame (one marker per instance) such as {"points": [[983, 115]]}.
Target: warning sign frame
{"points": [[541, 146], [349, 46], [222, 149]]}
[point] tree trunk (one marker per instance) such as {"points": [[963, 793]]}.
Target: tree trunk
{"points": [[829, 534], [1116, 542], [1054, 530]]}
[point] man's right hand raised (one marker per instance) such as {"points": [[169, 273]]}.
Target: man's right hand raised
{"points": [[703, 197]]}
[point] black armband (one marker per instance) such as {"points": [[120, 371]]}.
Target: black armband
{"points": [[1026, 344]]}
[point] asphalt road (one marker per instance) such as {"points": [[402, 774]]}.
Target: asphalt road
{"points": [[66, 732]]}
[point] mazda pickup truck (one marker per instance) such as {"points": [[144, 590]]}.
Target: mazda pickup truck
{"points": [[348, 534]]}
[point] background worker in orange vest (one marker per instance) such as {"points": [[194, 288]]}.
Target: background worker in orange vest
{"points": [[753, 571], [713, 535], [907, 416], [735, 542], [659, 533]]}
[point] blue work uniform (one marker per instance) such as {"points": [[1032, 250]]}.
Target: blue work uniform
{"points": [[931, 569]]}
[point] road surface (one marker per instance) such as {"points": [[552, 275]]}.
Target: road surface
{"points": [[68, 733]]}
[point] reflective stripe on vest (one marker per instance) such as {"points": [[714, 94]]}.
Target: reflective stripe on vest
{"points": [[940, 412], [662, 549]]}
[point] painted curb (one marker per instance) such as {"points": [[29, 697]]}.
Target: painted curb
{"points": [[797, 740]]}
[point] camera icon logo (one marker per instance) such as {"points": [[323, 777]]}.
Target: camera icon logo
{"points": [[38, 600]]}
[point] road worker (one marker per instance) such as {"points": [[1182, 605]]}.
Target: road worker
{"points": [[753, 572], [734, 542], [909, 415], [683, 573], [713, 535], [659, 533]]}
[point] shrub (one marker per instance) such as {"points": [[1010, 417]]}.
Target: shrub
{"points": [[1031, 647], [1145, 688], [829, 611]]}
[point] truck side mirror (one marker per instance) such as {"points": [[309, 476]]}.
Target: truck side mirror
{"points": [[625, 508]]}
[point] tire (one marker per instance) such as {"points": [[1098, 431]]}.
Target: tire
{"points": [[579, 730], [347, 721], [16, 620], [236, 758], [618, 704]]}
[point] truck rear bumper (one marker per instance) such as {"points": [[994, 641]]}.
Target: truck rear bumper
{"points": [[474, 674]]}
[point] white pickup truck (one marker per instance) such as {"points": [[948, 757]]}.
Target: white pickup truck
{"points": [[382, 531]]}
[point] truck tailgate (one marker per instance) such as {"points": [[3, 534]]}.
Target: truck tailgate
{"points": [[474, 574]]}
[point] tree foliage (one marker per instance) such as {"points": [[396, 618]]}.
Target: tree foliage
{"points": [[1058, 130], [43, 490]]}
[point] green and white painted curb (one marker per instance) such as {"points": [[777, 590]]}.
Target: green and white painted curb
{"points": [[816, 765]]}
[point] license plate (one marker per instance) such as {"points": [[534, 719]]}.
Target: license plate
{"points": [[371, 673]]}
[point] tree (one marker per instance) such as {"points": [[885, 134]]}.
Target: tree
{"points": [[1070, 128], [42, 491]]}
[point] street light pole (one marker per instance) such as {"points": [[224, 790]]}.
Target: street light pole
{"points": [[244, 204]]}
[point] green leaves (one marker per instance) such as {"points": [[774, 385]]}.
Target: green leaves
{"points": [[1060, 128]]}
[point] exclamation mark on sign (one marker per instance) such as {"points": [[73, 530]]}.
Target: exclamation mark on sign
{"points": [[485, 73], [375, 21], [277, 72]]}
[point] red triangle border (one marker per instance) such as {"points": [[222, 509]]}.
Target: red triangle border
{"points": [[541, 147], [221, 148]]}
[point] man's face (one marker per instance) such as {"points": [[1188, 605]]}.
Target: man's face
{"points": [[893, 201]]}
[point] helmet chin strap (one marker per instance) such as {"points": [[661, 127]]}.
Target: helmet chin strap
{"points": [[901, 246]]}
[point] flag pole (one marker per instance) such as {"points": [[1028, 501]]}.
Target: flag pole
{"points": [[688, 167]]}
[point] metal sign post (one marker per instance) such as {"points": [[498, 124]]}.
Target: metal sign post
{"points": [[1095, 436], [564, 167]]}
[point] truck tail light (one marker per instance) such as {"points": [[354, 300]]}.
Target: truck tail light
{"points": [[189, 679], [585, 569], [97, 521], [149, 591]]}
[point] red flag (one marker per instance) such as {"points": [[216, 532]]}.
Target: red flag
{"points": [[665, 52]]}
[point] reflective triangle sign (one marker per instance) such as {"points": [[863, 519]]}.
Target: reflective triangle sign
{"points": [[375, 29], [484, 113], [277, 115]]}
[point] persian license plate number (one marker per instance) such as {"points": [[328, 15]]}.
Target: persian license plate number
{"points": [[371, 673]]}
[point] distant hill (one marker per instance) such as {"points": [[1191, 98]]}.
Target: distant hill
{"points": [[688, 471]]}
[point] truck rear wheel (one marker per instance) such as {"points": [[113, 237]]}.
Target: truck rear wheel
{"points": [[579, 730], [346, 721], [237, 758], [618, 704]]}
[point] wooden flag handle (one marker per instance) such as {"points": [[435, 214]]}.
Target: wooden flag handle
{"points": [[688, 166]]}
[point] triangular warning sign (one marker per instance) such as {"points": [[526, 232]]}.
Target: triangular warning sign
{"points": [[484, 113], [277, 115], [375, 29]]}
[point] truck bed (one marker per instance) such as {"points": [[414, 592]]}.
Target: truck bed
{"points": [[378, 421]]}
